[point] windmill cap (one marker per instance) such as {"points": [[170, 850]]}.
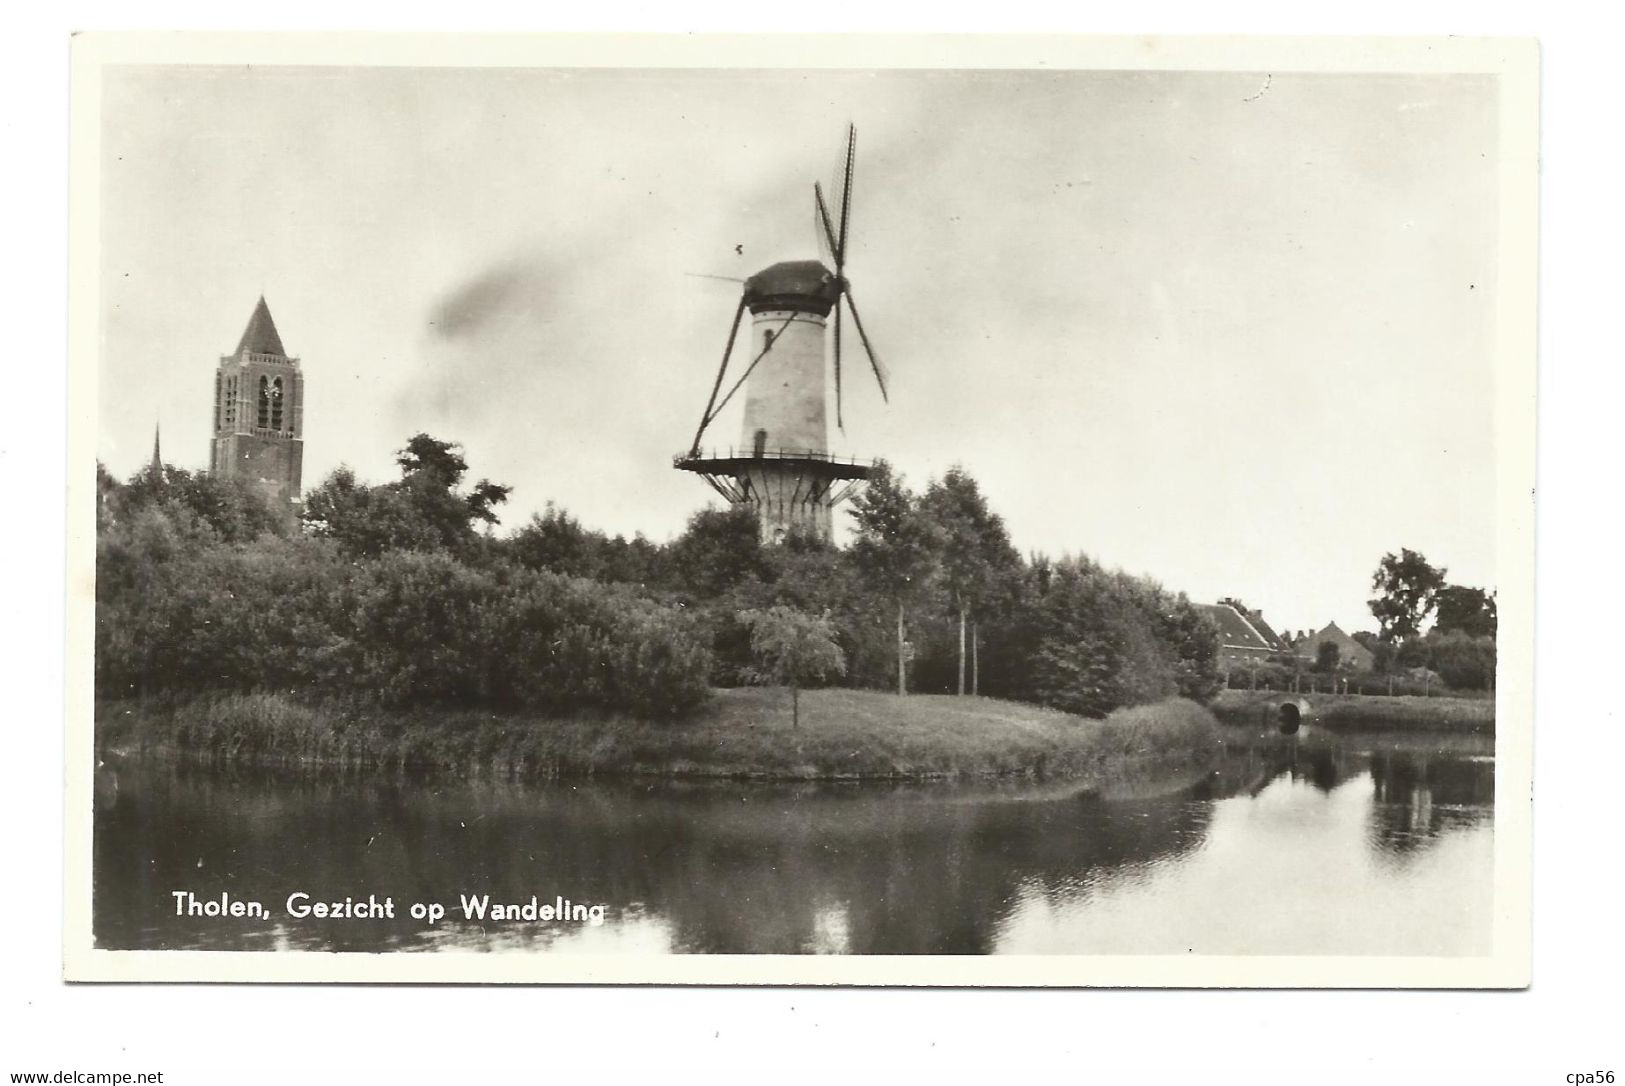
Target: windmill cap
{"points": [[803, 285]]}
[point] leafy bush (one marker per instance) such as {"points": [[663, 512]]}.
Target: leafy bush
{"points": [[1107, 640], [1463, 661], [179, 612], [1268, 675], [1276, 677]]}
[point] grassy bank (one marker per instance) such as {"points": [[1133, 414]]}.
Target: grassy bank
{"points": [[1357, 712], [844, 734]]}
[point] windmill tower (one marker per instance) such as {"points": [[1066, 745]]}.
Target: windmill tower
{"points": [[782, 466]]}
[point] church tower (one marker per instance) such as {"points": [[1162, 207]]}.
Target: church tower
{"points": [[259, 408]]}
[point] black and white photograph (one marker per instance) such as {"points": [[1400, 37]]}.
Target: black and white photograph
{"points": [[699, 511]]}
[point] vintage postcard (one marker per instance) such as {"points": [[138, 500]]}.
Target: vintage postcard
{"points": [[801, 510]]}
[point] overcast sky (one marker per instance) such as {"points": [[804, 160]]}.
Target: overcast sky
{"points": [[1229, 330]]}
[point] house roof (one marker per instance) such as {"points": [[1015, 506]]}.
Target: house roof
{"points": [[260, 335], [1347, 645], [1237, 631], [1264, 629]]}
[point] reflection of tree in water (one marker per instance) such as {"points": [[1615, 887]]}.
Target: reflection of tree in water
{"points": [[725, 867], [253, 836], [1421, 785], [1419, 795], [933, 876], [730, 868], [1251, 763]]}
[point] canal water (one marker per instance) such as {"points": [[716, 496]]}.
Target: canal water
{"points": [[1315, 844]]}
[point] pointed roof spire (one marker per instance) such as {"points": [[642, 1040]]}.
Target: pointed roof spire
{"points": [[260, 335], [157, 457]]}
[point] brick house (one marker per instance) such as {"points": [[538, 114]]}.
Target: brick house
{"points": [[1244, 637], [1350, 653]]}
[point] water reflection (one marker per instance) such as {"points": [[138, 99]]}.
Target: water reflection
{"points": [[1308, 845]]}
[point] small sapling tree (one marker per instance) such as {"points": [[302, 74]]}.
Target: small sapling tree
{"points": [[790, 648]]}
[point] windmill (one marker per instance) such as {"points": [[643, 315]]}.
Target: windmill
{"points": [[782, 466]]}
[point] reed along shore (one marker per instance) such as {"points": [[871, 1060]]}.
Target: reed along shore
{"points": [[743, 734]]}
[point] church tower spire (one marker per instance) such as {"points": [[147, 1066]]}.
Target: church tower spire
{"points": [[157, 457], [259, 414], [260, 336]]}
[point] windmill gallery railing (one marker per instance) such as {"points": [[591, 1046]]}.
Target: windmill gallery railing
{"points": [[844, 467], [805, 477]]}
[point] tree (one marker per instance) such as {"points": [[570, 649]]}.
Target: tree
{"points": [[423, 511], [792, 648], [1463, 661], [1194, 642], [556, 541], [1098, 647], [632, 561], [425, 457], [234, 509], [719, 550], [431, 471], [812, 575], [976, 557], [1408, 585], [895, 550], [1327, 657], [366, 521], [107, 489], [1470, 610]]}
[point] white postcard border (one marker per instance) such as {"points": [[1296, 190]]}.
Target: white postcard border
{"points": [[1514, 61]]}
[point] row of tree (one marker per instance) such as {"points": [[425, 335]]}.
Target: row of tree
{"points": [[179, 612], [1460, 645], [1457, 650], [1411, 590], [405, 588]]}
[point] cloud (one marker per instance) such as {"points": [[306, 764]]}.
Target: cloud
{"points": [[513, 288]]}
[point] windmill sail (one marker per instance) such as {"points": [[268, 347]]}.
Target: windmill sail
{"points": [[783, 467], [837, 242]]}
